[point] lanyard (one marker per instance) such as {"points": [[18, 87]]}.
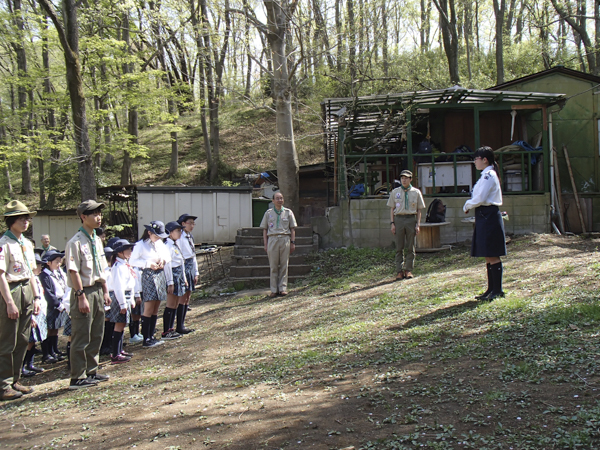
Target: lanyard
{"points": [[22, 244], [92, 239]]}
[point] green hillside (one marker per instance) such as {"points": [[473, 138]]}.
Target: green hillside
{"points": [[248, 144]]}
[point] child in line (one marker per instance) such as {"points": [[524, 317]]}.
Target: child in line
{"points": [[176, 282], [122, 284], [150, 254]]}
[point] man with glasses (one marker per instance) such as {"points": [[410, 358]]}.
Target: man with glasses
{"points": [[46, 247], [20, 298]]}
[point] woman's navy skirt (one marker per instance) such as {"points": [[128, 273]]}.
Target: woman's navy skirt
{"points": [[488, 235]]}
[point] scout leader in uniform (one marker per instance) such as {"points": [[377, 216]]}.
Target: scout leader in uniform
{"points": [[406, 203], [21, 298], [86, 264], [279, 234]]}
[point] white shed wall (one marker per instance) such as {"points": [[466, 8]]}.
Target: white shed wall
{"points": [[60, 229], [220, 214]]}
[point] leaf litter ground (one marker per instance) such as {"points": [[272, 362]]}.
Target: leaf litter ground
{"points": [[352, 359]]}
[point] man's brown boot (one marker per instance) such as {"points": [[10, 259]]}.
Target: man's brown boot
{"points": [[10, 394], [22, 389]]}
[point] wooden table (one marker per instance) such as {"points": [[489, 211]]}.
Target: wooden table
{"points": [[428, 239]]}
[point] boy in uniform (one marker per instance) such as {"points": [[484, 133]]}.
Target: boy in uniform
{"points": [[20, 298], [406, 203], [86, 266]]}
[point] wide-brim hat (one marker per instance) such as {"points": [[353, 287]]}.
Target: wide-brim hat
{"points": [[158, 228], [38, 259], [16, 208], [172, 226], [108, 251], [51, 255], [88, 206], [121, 245], [184, 217], [112, 240]]}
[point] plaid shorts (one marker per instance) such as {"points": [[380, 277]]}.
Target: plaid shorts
{"points": [[178, 281], [190, 274]]}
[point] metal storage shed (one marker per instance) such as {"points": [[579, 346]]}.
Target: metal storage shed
{"points": [[220, 210]]}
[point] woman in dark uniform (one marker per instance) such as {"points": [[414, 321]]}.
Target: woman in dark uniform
{"points": [[488, 236]]}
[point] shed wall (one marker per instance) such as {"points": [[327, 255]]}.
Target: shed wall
{"points": [[61, 228], [220, 214]]}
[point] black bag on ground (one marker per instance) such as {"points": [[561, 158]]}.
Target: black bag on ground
{"points": [[436, 213]]}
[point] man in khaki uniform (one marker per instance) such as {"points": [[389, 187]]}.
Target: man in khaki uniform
{"points": [[279, 234], [20, 298], [46, 247], [86, 264], [406, 203]]}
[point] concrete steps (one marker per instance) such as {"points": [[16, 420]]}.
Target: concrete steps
{"points": [[250, 261]]}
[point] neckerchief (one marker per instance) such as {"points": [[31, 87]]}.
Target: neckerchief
{"points": [[278, 214], [92, 240], [124, 261], [190, 239], [21, 242], [45, 248], [406, 195]]}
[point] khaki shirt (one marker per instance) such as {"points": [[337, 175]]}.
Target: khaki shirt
{"points": [[12, 260], [415, 201], [286, 221], [79, 258]]}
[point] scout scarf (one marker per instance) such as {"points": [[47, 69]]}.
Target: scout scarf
{"points": [[21, 242], [92, 239], [406, 195], [278, 214]]}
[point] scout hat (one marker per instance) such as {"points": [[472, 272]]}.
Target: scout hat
{"points": [[406, 173], [158, 228], [16, 208], [108, 252], [51, 255], [121, 245], [171, 226], [38, 259], [89, 205], [184, 217], [112, 240]]}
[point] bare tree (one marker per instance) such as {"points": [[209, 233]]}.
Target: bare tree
{"points": [[447, 11], [279, 15]]}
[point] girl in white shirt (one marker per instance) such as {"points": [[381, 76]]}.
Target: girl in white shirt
{"points": [[123, 296], [488, 235], [150, 254], [176, 282], [188, 249]]}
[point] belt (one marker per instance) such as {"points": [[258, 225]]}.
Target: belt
{"points": [[15, 284], [96, 284], [279, 235], [405, 215]]}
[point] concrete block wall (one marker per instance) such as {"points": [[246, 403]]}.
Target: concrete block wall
{"points": [[370, 220]]}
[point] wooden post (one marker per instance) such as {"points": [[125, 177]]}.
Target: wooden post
{"points": [[574, 189], [561, 218]]}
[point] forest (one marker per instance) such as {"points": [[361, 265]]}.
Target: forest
{"points": [[80, 80]]}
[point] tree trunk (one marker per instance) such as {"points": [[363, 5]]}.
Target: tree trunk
{"points": [[499, 11], [278, 17], [8, 184], [69, 38], [447, 11], [19, 48], [384, 48], [351, 34], [174, 166], [425, 27], [132, 112], [51, 120], [338, 30]]}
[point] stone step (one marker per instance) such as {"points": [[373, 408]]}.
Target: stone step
{"points": [[263, 260], [264, 271], [256, 231], [243, 282], [255, 250], [259, 240]]}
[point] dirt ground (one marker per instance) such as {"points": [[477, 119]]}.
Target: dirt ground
{"points": [[252, 375]]}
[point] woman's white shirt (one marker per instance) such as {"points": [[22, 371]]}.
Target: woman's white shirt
{"points": [[145, 253], [177, 260], [486, 191]]}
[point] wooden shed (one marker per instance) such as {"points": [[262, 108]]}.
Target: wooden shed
{"points": [[577, 127]]}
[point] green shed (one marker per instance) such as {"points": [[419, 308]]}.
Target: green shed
{"points": [[577, 127]]}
